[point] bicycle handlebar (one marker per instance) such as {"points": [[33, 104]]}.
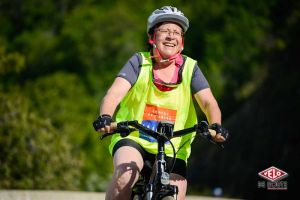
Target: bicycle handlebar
{"points": [[124, 128]]}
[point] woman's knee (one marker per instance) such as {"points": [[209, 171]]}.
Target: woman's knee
{"points": [[126, 174], [181, 183], [127, 166]]}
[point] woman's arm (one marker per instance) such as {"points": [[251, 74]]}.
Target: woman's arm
{"points": [[210, 107], [111, 100], [114, 95]]}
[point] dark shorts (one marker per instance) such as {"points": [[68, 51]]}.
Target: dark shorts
{"points": [[179, 167]]}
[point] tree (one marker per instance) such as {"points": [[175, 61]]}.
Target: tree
{"points": [[263, 130]]}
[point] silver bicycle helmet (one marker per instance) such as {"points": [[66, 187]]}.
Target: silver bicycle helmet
{"points": [[167, 13]]}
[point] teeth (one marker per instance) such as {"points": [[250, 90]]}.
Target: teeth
{"points": [[169, 44]]}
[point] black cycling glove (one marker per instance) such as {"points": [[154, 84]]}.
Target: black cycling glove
{"points": [[220, 130], [102, 121]]}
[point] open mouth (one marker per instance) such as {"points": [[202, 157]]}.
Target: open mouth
{"points": [[168, 44]]}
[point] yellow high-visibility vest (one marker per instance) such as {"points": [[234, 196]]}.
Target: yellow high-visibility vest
{"points": [[147, 104]]}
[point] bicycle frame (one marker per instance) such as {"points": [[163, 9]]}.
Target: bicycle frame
{"points": [[161, 186], [158, 187]]}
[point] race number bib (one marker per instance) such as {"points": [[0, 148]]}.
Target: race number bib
{"points": [[152, 116]]}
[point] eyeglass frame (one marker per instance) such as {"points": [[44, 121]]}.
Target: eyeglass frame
{"points": [[167, 31]]}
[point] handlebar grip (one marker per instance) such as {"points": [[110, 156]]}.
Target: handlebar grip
{"points": [[212, 132], [114, 125]]}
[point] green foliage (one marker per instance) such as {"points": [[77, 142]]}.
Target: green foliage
{"points": [[231, 41], [33, 153], [40, 51], [101, 39], [57, 59], [10, 63], [72, 111]]}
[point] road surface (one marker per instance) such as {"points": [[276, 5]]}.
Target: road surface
{"points": [[67, 195]]}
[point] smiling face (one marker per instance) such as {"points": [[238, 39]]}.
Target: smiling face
{"points": [[169, 39]]}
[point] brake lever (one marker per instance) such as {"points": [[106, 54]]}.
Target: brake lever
{"points": [[125, 131], [208, 133]]}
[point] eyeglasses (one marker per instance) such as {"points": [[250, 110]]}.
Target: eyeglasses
{"points": [[165, 32]]}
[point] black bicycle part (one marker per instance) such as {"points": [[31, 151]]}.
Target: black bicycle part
{"points": [[160, 186]]}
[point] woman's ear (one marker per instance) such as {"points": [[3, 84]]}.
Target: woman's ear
{"points": [[150, 36], [150, 39]]}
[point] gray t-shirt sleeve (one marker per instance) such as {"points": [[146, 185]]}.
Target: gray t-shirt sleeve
{"points": [[199, 81], [131, 70]]}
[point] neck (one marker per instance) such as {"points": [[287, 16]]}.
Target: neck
{"points": [[163, 61], [161, 65]]}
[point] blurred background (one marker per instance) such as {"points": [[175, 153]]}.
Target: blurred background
{"points": [[58, 58]]}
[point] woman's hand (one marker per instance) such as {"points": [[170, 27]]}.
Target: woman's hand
{"points": [[102, 123]]}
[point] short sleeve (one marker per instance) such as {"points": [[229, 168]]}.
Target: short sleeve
{"points": [[131, 70], [199, 81]]}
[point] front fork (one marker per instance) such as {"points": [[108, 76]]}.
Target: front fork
{"points": [[165, 190], [161, 186]]}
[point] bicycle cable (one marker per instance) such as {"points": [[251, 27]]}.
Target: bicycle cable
{"points": [[175, 153]]}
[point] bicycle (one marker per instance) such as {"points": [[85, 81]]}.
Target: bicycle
{"points": [[157, 185]]}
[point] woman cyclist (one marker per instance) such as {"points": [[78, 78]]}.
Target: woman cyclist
{"points": [[157, 85]]}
